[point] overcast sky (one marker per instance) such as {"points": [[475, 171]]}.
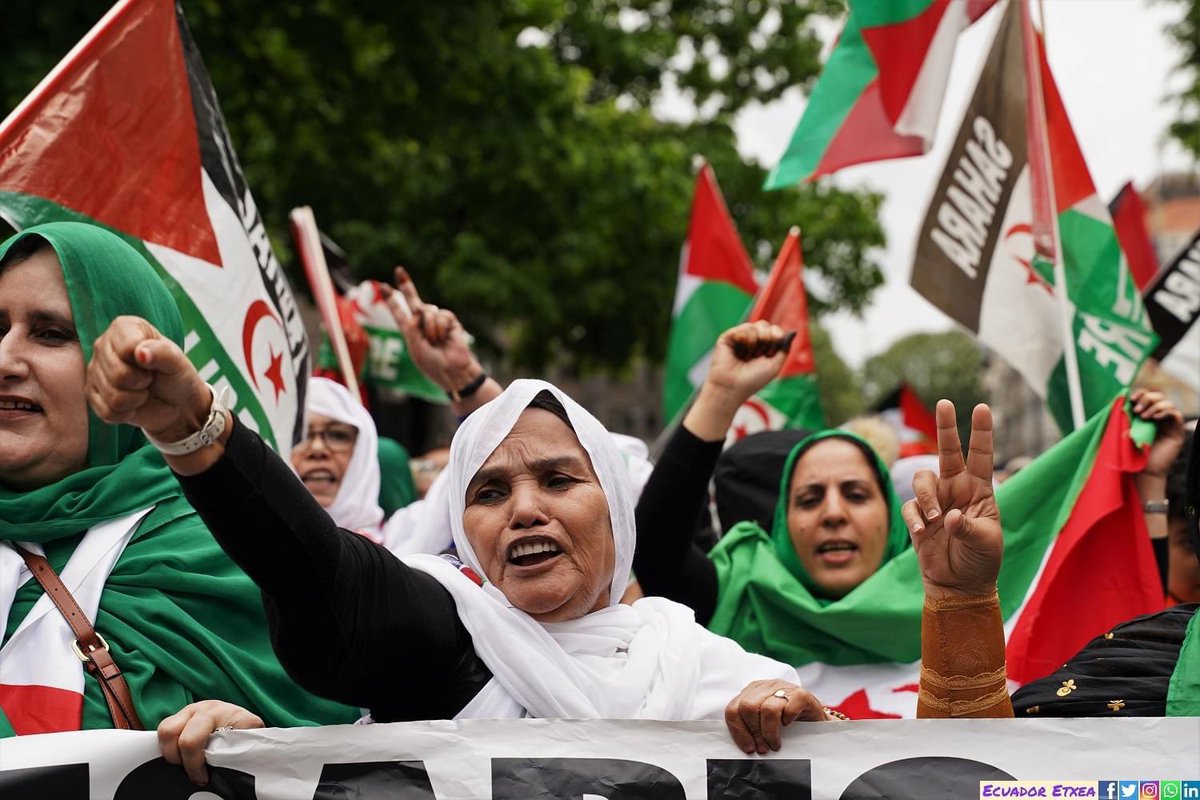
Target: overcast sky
{"points": [[1113, 65]]}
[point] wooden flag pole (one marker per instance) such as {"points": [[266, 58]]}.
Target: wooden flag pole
{"points": [[308, 242]]}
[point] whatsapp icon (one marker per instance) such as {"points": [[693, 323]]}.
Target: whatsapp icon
{"points": [[1168, 790]]}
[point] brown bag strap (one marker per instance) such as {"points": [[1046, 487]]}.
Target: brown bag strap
{"points": [[88, 645]]}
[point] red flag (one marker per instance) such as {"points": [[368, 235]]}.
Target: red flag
{"points": [[792, 399], [914, 422], [1102, 553], [1129, 218], [714, 249], [784, 302]]}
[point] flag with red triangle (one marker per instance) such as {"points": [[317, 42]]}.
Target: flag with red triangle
{"points": [[126, 132], [792, 399], [716, 285], [881, 91]]}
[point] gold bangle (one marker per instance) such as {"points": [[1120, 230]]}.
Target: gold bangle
{"points": [[962, 603]]}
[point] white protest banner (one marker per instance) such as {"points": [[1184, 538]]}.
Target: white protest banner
{"points": [[617, 760]]}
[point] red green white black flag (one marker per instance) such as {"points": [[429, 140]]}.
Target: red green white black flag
{"points": [[126, 133], [881, 90], [984, 252]]}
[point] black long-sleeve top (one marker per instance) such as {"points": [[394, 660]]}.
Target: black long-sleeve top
{"points": [[349, 621], [667, 561]]}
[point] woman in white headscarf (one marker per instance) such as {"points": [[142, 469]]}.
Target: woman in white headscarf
{"points": [[528, 624], [338, 458]]}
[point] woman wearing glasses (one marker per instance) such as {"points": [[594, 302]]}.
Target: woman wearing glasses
{"points": [[338, 461]]}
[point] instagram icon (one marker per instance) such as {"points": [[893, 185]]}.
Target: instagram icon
{"points": [[1148, 790]]}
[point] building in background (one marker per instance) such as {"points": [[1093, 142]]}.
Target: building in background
{"points": [[1172, 212]]}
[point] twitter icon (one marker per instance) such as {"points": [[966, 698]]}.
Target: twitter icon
{"points": [[1129, 790]]}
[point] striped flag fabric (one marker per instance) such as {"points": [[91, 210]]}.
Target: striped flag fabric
{"points": [[915, 425], [985, 251], [1077, 560], [126, 132], [792, 400], [881, 91], [1129, 218], [716, 286]]}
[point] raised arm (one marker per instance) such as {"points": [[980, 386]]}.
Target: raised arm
{"points": [[439, 346], [955, 527], [347, 616], [667, 560]]}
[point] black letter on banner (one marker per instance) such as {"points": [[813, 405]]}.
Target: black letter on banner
{"points": [[375, 780], [572, 778], [61, 782], [923, 778], [777, 779], [158, 780]]}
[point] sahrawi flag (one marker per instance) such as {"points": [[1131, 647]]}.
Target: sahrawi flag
{"points": [[976, 257], [1077, 560], [792, 400], [881, 91], [126, 133], [388, 363], [716, 285]]}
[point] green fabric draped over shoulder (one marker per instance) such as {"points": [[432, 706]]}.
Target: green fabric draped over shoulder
{"points": [[769, 604], [1183, 691], [182, 620]]}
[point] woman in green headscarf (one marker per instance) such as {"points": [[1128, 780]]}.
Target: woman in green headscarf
{"points": [[789, 592], [180, 619]]}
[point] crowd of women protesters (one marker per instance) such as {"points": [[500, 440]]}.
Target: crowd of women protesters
{"points": [[206, 565]]}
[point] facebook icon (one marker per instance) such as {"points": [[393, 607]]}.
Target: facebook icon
{"points": [[1108, 790]]}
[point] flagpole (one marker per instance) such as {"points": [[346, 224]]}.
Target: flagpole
{"points": [[1066, 315], [308, 237]]}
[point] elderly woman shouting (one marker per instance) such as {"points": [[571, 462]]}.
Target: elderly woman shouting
{"points": [[529, 624]]}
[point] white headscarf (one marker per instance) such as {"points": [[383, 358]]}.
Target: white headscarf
{"points": [[424, 526], [646, 661], [356, 506]]}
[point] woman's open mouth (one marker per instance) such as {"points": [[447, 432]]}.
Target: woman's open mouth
{"points": [[836, 553], [319, 476], [530, 552]]}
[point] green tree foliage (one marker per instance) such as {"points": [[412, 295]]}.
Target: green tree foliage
{"points": [[1186, 35], [505, 150], [935, 365]]}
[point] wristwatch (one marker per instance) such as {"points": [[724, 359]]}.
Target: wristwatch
{"points": [[210, 431], [1156, 506]]}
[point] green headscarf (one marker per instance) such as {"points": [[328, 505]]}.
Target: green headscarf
{"points": [[181, 619], [767, 601], [105, 278], [396, 487]]}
